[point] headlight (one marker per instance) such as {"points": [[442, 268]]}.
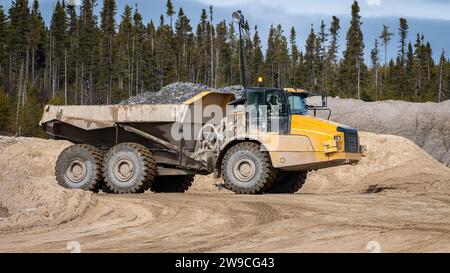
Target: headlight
{"points": [[337, 138]]}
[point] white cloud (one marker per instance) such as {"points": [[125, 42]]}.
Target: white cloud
{"points": [[374, 2]]}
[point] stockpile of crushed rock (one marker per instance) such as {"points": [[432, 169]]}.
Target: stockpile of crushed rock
{"points": [[178, 92]]}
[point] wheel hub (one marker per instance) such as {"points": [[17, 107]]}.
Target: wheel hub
{"points": [[76, 171], [244, 169], [124, 169]]}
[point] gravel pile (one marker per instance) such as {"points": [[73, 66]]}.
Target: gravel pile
{"points": [[238, 90], [176, 93]]}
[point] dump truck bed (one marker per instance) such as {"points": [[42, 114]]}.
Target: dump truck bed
{"points": [[99, 117]]}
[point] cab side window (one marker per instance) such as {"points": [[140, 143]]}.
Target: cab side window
{"points": [[255, 99], [276, 105]]}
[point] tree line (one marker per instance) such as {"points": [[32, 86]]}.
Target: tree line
{"points": [[84, 58]]}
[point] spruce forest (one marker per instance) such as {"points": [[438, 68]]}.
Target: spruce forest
{"points": [[84, 58]]}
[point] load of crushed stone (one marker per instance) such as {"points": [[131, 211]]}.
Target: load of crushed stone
{"points": [[29, 192], [178, 92], [426, 124]]}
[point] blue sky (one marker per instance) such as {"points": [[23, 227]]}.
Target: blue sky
{"points": [[431, 17]]}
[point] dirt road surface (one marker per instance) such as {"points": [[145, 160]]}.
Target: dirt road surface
{"points": [[337, 211], [212, 223]]}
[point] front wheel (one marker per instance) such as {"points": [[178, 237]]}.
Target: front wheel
{"points": [[247, 169]]}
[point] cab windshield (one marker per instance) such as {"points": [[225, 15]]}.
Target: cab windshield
{"points": [[297, 104]]}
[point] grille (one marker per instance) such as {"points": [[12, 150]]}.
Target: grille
{"points": [[351, 140]]}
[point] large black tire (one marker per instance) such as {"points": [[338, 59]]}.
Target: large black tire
{"points": [[246, 169], [80, 167], [129, 168], [288, 182], [172, 184]]}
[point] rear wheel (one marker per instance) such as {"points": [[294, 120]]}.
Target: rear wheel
{"points": [[247, 169], [80, 167], [288, 182], [129, 168], [172, 184]]}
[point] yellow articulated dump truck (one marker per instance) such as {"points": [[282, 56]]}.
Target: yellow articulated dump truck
{"points": [[264, 142]]}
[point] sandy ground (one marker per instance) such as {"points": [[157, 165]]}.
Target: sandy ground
{"points": [[336, 211]]}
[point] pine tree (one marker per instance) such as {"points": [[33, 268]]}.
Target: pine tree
{"points": [[424, 71], [166, 57], [334, 46], [410, 72], [432, 74], [58, 45], [375, 58], [107, 47], [223, 55], [310, 60], [203, 47], [270, 58], [234, 66], [18, 49], [19, 53], [37, 40], [149, 69], [403, 33], [182, 31], [442, 93], [332, 56], [88, 52], [295, 58], [170, 12], [386, 37], [420, 61], [281, 57], [73, 51], [321, 54], [401, 75], [19, 18], [124, 44], [353, 66], [138, 52], [429, 60]]}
